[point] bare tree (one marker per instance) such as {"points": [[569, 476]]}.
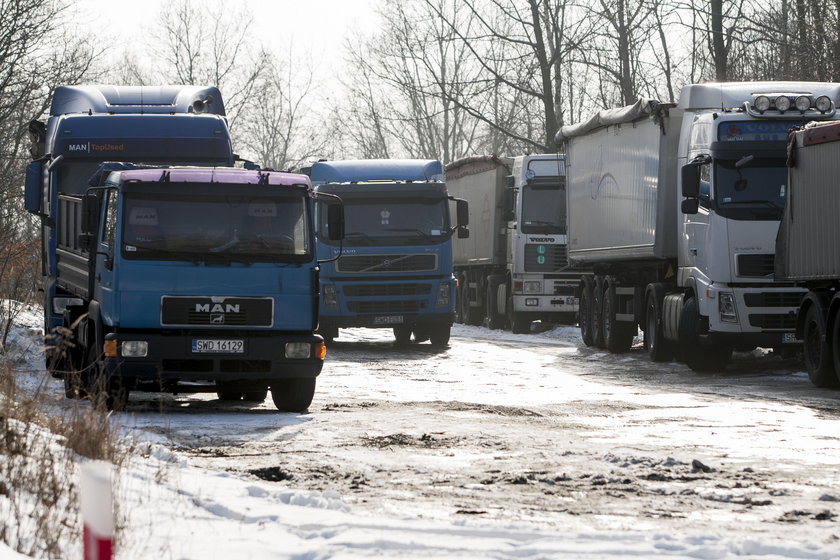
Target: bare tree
{"points": [[280, 126], [198, 45]]}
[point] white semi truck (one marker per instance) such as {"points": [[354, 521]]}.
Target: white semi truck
{"points": [[675, 207], [513, 269]]}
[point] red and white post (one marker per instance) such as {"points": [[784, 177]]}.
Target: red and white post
{"points": [[97, 510]]}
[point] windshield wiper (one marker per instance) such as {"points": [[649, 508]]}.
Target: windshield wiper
{"points": [[422, 233]]}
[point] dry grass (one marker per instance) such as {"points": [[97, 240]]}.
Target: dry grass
{"points": [[41, 441]]}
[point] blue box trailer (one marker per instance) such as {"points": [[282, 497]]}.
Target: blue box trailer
{"points": [[165, 278], [393, 267]]}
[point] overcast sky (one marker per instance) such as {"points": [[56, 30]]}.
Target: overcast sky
{"points": [[315, 28]]}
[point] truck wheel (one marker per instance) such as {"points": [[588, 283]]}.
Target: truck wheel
{"points": [[659, 349], [835, 348], [817, 351], [493, 318], [293, 395], [402, 335], [440, 336], [618, 335], [519, 322], [106, 394], [469, 314], [698, 357], [585, 312], [597, 312]]}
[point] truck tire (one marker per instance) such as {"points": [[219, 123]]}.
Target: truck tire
{"points": [[585, 312], [440, 336], [835, 348], [658, 348], [402, 335], [817, 352], [597, 312], [106, 394], [469, 313], [293, 395], [519, 322], [618, 335], [493, 319], [699, 358]]}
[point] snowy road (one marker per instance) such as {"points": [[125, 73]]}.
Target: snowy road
{"points": [[532, 430]]}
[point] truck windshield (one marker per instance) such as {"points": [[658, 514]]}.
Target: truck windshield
{"points": [[755, 190], [237, 228], [543, 209], [391, 221]]}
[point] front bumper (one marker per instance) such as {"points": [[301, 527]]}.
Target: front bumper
{"points": [[171, 357]]}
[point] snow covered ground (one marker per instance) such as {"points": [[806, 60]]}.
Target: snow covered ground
{"points": [[171, 508]]}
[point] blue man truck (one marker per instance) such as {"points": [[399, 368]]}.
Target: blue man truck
{"points": [[153, 279], [393, 269]]}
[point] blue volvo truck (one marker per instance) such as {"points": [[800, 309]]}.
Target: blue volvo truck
{"points": [[168, 279], [393, 268]]}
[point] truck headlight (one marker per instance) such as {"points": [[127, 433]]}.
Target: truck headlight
{"points": [[330, 296], [761, 103], [782, 103], [726, 307], [134, 348], [803, 103], [822, 104], [532, 287], [298, 350], [442, 295]]}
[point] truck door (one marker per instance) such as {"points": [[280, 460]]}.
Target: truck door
{"points": [[106, 253], [697, 225]]}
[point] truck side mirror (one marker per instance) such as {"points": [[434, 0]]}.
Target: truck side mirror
{"points": [[508, 214], [32, 190], [462, 208], [690, 205], [335, 221], [90, 213], [691, 180]]}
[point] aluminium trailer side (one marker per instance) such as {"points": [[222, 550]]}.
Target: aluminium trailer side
{"points": [[622, 191]]}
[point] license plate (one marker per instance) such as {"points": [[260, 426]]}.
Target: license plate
{"points": [[388, 320], [214, 346], [789, 338]]}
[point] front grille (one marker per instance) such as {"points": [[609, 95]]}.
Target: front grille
{"points": [[785, 321], [375, 290], [387, 263], [545, 258], [773, 299], [756, 266], [385, 306], [217, 311], [564, 290]]}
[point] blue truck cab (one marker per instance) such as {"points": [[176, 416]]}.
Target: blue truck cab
{"points": [[393, 267], [164, 278]]}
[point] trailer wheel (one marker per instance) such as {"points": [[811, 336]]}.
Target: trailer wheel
{"points": [[699, 357], [293, 395], [618, 335], [597, 312], [817, 351], [659, 349], [494, 319], [585, 312]]}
